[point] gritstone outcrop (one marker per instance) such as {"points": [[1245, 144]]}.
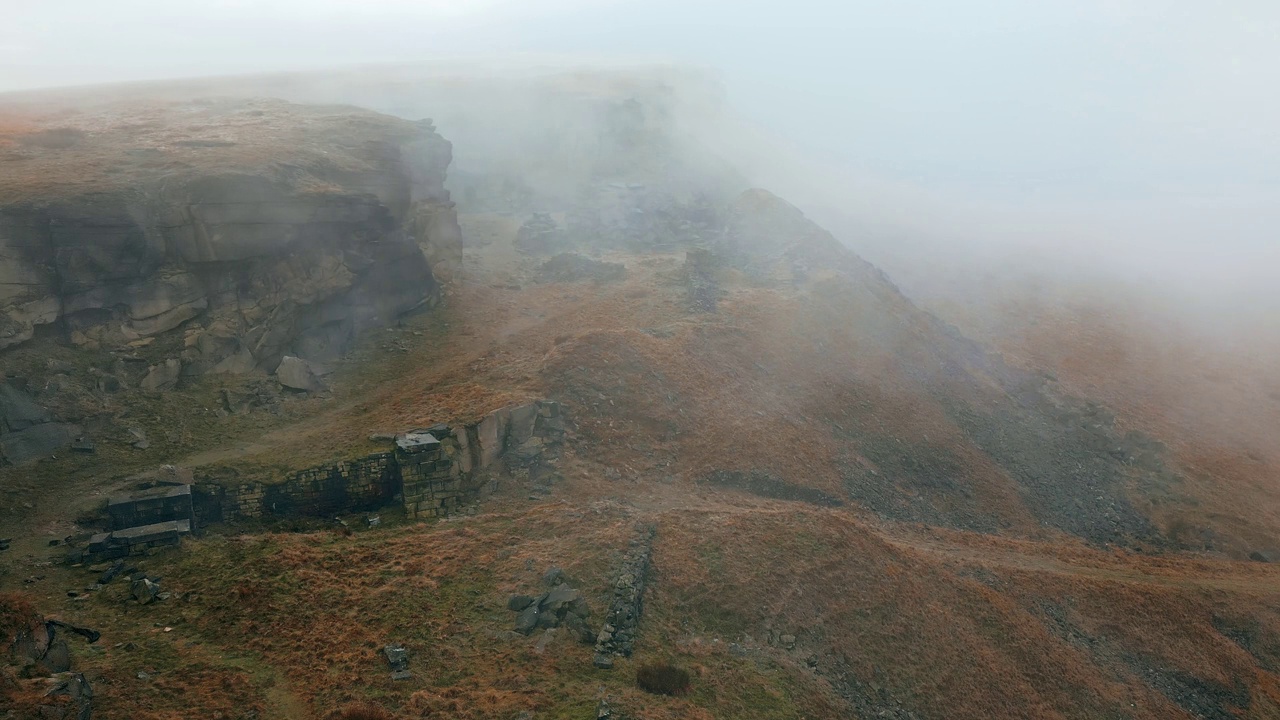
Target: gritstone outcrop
{"points": [[266, 229]]}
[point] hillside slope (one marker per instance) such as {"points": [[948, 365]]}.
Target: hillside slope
{"points": [[858, 513]]}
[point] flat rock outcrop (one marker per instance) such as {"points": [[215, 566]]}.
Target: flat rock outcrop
{"points": [[262, 228]]}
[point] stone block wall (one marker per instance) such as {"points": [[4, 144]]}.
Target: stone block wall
{"points": [[432, 471], [137, 540], [247, 499], [160, 505], [352, 485], [431, 478]]}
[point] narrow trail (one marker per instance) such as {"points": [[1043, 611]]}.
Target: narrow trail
{"points": [[1027, 556]]}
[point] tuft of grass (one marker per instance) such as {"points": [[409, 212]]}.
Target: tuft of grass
{"points": [[663, 679], [17, 615], [362, 711]]}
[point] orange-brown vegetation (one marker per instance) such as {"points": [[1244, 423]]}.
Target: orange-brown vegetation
{"points": [[362, 711], [51, 154], [1024, 621], [1211, 397]]}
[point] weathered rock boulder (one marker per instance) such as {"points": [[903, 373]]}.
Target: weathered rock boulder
{"points": [[28, 431], [69, 697], [297, 374], [263, 228], [162, 376]]}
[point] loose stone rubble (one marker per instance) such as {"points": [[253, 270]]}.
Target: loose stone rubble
{"points": [[561, 606], [617, 637], [40, 651]]}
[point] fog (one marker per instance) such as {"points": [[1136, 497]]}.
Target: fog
{"points": [[1133, 141]]}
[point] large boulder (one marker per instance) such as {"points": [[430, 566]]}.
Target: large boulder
{"points": [[27, 430], [163, 376], [297, 374]]}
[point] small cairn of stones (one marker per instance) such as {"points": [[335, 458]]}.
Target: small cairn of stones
{"points": [[617, 637], [540, 235], [561, 606]]}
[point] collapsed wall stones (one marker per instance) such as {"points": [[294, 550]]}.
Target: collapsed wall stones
{"points": [[431, 472]]}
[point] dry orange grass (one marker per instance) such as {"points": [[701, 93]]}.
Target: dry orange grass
{"points": [[951, 642], [1217, 408]]}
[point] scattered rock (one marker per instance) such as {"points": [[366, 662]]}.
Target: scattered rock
{"points": [[397, 657], [560, 598], [1259, 556], [163, 376], [110, 573], [75, 698], [402, 675], [139, 438], [562, 606], [144, 591], [553, 577], [298, 374], [578, 628], [572, 267], [92, 636], [527, 620], [36, 441], [547, 636]]}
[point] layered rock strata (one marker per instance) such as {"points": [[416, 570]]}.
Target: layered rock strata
{"points": [[259, 228]]}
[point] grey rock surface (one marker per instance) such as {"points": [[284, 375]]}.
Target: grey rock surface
{"points": [[297, 374], [617, 636], [144, 591], [298, 228], [163, 376], [249, 230]]}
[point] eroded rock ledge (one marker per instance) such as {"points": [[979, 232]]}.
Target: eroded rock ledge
{"points": [[258, 228]]}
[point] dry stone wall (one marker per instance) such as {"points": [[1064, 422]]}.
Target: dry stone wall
{"points": [[618, 635]]}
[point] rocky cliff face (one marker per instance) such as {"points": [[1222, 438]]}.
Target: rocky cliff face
{"points": [[259, 229], [221, 237]]}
